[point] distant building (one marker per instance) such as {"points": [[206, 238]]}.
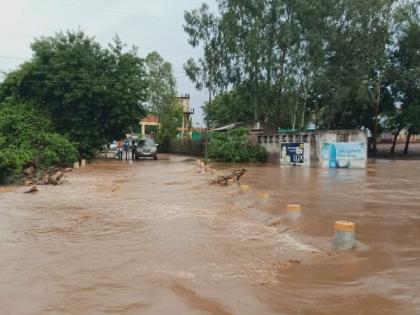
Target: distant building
{"points": [[184, 101], [324, 148], [150, 125], [150, 120]]}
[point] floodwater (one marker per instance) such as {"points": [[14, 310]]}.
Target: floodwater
{"points": [[155, 237]]}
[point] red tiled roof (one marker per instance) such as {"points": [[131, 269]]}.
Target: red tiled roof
{"points": [[150, 118]]}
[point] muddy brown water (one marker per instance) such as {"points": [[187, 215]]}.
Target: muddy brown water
{"points": [[154, 237]]}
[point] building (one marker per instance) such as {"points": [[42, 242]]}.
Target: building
{"points": [[184, 101], [324, 148], [150, 125]]}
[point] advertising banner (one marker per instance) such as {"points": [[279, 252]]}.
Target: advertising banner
{"points": [[344, 155], [295, 153]]}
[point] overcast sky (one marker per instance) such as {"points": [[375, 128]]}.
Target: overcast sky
{"points": [[148, 24]]}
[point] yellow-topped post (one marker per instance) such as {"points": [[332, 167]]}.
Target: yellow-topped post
{"points": [[344, 235], [294, 211]]}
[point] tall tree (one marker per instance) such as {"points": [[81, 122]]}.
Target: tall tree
{"points": [[92, 94], [201, 26], [161, 83], [406, 75], [303, 60]]}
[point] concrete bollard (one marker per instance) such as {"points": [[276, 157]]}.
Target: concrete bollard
{"points": [[294, 212], [76, 165], [263, 197], [244, 188], [198, 162], [83, 163], [344, 236]]}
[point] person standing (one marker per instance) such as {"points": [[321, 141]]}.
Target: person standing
{"points": [[133, 149], [120, 149], [126, 148]]}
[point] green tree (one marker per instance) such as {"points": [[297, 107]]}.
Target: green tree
{"points": [[300, 61], [406, 75], [353, 91], [170, 121], [25, 135], [92, 94], [161, 84], [201, 28], [229, 107]]}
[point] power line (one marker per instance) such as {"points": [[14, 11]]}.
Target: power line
{"points": [[78, 81], [167, 50], [153, 17], [11, 57], [85, 72]]}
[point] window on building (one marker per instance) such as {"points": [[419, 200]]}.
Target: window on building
{"points": [[343, 137]]}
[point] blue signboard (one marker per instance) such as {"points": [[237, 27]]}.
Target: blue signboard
{"points": [[294, 153], [343, 154]]}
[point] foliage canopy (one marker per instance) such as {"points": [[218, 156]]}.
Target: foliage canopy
{"points": [[91, 94], [25, 136]]}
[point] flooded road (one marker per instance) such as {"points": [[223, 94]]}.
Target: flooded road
{"points": [[155, 237]]}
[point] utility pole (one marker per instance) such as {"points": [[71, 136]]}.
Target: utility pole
{"points": [[207, 118]]}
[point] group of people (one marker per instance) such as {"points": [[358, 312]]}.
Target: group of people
{"points": [[123, 146]]}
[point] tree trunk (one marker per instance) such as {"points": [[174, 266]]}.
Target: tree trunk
{"points": [[255, 107], [302, 122], [407, 142], [394, 142], [376, 114], [294, 117]]}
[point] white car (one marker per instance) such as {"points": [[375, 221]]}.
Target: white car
{"points": [[113, 145]]}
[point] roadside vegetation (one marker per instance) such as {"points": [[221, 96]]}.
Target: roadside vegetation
{"points": [[74, 96], [25, 136], [234, 146], [292, 64], [70, 99]]}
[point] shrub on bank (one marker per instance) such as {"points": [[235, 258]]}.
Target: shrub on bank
{"points": [[25, 136], [12, 159], [55, 149], [234, 146]]}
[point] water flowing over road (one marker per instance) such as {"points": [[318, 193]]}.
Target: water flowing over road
{"points": [[155, 237]]}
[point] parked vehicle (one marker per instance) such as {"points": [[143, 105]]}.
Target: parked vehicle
{"points": [[146, 148], [113, 145]]}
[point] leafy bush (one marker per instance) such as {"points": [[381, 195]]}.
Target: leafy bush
{"points": [[12, 160], [25, 136], [55, 149], [234, 146]]}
